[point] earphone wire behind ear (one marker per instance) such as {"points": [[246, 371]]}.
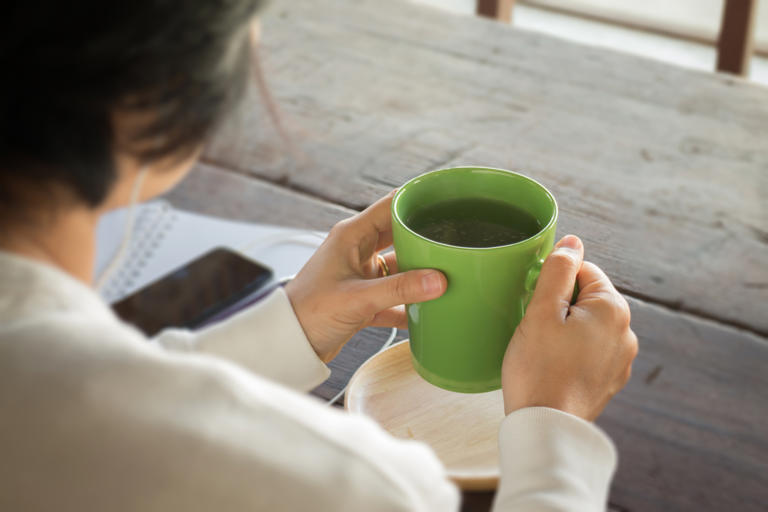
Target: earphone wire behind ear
{"points": [[103, 278]]}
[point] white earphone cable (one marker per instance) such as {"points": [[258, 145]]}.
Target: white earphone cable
{"points": [[117, 259], [385, 346]]}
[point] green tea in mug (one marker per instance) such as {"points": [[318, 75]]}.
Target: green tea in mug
{"points": [[474, 222]]}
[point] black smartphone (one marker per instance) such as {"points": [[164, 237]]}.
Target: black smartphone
{"points": [[195, 293]]}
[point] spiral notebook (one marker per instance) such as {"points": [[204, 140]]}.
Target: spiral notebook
{"points": [[164, 238]]}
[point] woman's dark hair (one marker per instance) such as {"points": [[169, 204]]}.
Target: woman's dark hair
{"points": [[69, 67]]}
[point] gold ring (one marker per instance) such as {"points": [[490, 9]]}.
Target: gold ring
{"points": [[383, 267]]}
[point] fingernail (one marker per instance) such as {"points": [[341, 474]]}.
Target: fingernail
{"points": [[569, 242], [431, 283]]}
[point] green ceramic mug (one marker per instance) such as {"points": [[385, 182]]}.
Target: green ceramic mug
{"points": [[458, 340]]}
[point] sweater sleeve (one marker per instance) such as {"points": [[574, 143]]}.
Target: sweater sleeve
{"points": [[266, 338], [553, 461], [197, 433]]}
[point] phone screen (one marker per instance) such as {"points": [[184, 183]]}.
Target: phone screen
{"points": [[194, 293]]}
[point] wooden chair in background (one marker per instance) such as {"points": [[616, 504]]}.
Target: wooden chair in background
{"points": [[734, 43], [737, 36], [499, 9]]}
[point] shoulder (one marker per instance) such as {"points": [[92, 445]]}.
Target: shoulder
{"points": [[102, 408]]}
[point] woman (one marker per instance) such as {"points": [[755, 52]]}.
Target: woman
{"points": [[101, 100]]}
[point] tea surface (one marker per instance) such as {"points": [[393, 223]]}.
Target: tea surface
{"points": [[473, 222]]}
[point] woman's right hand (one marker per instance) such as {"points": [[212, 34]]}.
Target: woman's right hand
{"points": [[570, 357]]}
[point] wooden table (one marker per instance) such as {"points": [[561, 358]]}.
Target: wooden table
{"points": [[662, 171]]}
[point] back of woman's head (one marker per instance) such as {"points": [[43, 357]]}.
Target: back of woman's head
{"points": [[72, 69]]}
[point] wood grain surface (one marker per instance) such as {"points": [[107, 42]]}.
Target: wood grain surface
{"points": [[461, 428], [690, 425], [662, 171]]}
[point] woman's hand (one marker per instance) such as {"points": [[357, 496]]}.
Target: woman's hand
{"points": [[340, 290], [570, 357]]}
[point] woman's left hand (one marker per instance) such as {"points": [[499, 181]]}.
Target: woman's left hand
{"points": [[340, 290]]}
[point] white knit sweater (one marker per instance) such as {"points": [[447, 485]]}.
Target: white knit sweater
{"points": [[95, 417]]}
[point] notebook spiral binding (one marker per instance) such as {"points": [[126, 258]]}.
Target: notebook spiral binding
{"points": [[153, 223]]}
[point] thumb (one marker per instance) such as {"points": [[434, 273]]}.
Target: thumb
{"points": [[558, 276], [402, 288]]}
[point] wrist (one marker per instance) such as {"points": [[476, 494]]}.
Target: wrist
{"points": [[294, 297], [568, 403]]}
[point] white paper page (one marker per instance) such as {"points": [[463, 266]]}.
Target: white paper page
{"points": [[166, 238]]}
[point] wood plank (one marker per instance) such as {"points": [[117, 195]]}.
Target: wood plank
{"points": [[735, 43], [500, 10], [214, 191], [692, 20], [690, 426], [663, 171]]}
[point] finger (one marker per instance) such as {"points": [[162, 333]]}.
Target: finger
{"points": [[593, 281], [392, 317], [376, 219], [633, 346], [625, 376], [376, 295], [377, 271], [558, 274], [599, 296], [391, 260]]}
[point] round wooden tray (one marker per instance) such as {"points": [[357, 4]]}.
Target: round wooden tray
{"points": [[461, 428]]}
